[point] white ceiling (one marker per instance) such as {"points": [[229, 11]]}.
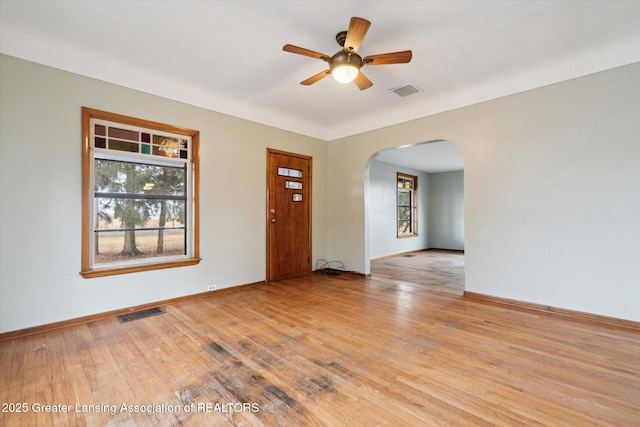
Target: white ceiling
{"points": [[432, 157], [227, 55]]}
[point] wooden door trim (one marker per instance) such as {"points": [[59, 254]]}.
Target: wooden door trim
{"points": [[267, 219]]}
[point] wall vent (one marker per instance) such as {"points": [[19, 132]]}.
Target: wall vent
{"points": [[406, 90]]}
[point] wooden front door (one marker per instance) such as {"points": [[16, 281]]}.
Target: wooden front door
{"points": [[288, 215]]}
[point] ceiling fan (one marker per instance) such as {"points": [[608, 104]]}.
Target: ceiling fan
{"points": [[345, 64]]}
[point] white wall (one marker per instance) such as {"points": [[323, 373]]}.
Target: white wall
{"points": [[382, 211], [551, 192], [446, 210], [40, 183]]}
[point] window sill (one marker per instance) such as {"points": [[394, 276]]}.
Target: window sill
{"points": [[88, 274], [407, 236]]}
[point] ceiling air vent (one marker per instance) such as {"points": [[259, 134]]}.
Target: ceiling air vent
{"points": [[406, 90]]}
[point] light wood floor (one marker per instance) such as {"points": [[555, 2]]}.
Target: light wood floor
{"points": [[388, 350], [437, 270]]}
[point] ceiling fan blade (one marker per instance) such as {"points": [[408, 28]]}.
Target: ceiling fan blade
{"points": [[306, 52], [311, 80], [358, 28], [388, 58], [362, 81]]}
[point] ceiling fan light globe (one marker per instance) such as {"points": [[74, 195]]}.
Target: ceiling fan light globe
{"points": [[345, 73]]}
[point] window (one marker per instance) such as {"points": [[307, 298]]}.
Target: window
{"points": [[140, 187], [407, 205]]}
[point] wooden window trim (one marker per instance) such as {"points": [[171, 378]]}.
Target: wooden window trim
{"points": [[86, 270]]}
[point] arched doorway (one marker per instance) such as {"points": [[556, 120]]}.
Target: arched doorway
{"points": [[437, 167]]}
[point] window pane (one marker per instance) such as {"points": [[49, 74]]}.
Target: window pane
{"points": [[404, 198], [165, 146], [123, 177], [165, 151], [116, 214], [115, 144], [166, 141], [404, 227], [123, 134], [121, 246], [404, 213]]}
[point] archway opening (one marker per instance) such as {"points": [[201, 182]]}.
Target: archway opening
{"points": [[433, 201]]}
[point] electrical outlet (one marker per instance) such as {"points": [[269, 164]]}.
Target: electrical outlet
{"points": [[211, 287]]}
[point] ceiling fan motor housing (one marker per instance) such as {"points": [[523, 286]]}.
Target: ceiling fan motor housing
{"points": [[345, 58]]}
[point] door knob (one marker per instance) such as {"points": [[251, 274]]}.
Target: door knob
{"points": [[273, 220]]}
